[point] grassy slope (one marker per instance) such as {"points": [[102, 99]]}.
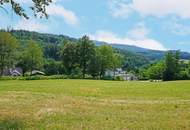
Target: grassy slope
{"points": [[94, 105]]}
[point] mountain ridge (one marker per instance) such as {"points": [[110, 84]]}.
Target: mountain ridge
{"points": [[152, 55]]}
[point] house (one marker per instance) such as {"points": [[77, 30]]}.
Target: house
{"points": [[120, 73], [130, 77], [13, 72]]}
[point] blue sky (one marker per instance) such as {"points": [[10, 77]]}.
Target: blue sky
{"points": [[154, 24]]}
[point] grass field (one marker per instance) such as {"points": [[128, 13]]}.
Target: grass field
{"points": [[94, 105]]}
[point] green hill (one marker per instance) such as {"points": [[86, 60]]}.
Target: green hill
{"points": [[134, 57]]}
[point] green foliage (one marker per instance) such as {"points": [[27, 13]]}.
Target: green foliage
{"points": [[79, 58], [69, 57], [95, 65], [8, 46], [119, 78], [155, 71], [32, 57], [52, 67], [116, 61], [86, 51], [51, 51], [171, 66], [39, 7], [105, 55], [133, 61], [188, 69]]}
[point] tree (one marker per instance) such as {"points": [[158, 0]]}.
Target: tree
{"points": [[156, 71], [51, 51], [188, 69], [38, 7], [116, 61], [105, 54], [171, 71], [68, 55], [86, 50], [95, 65], [8, 46], [53, 67], [32, 57], [23, 62]]}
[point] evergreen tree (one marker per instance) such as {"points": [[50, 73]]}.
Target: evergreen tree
{"points": [[171, 66]]}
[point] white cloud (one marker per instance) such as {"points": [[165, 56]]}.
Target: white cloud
{"points": [[177, 28], [156, 8], [69, 16], [56, 9], [139, 31], [120, 9], [110, 37], [31, 25]]}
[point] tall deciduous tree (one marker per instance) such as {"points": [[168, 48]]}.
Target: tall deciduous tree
{"points": [[188, 69], [105, 54], [8, 46], [32, 57], [38, 7], [116, 61], [86, 51], [68, 54], [94, 65]]}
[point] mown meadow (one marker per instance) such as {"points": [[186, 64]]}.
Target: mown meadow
{"points": [[94, 105]]}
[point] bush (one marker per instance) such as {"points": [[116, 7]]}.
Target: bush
{"points": [[9, 78], [108, 78], [33, 77], [58, 77], [39, 77], [119, 78]]}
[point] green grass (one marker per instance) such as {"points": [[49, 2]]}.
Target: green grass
{"points": [[94, 105]]}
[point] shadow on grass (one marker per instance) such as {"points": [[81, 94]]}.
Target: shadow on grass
{"points": [[11, 124]]}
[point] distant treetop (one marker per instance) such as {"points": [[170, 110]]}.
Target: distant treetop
{"points": [[38, 7]]}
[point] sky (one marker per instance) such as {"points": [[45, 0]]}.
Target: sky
{"points": [[152, 24]]}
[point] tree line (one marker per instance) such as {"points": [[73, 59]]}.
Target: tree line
{"points": [[81, 57], [170, 68]]}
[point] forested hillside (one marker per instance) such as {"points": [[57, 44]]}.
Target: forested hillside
{"points": [[51, 45], [55, 40], [133, 57], [84, 58]]}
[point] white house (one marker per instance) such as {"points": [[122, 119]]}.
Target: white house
{"points": [[123, 74], [13, 72]]}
